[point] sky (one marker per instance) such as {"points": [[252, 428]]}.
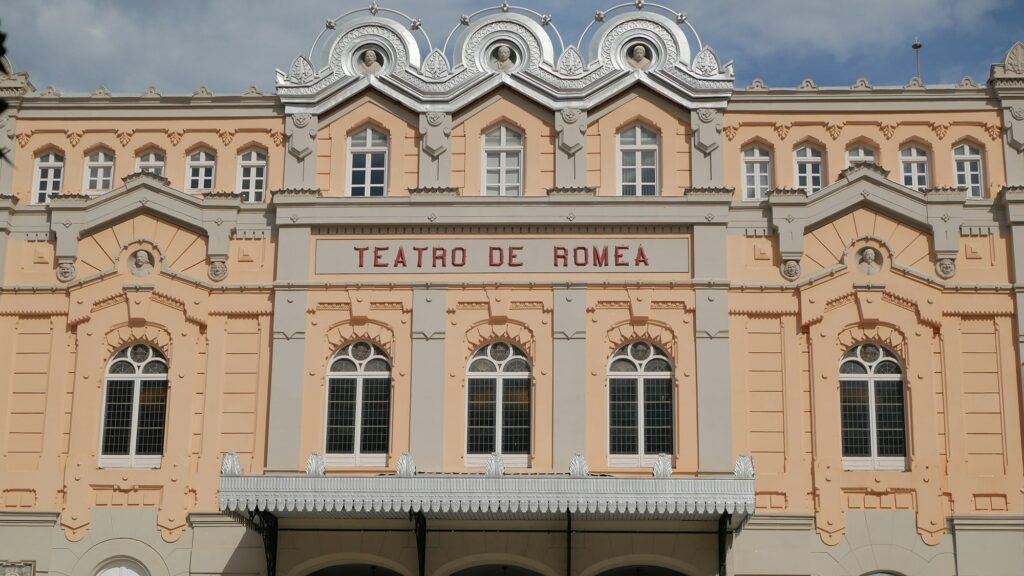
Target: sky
{"points": [[228, 45]]}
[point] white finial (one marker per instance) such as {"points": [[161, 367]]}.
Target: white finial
{"points": [[230, 466], [578, 467], [663, 466], [495, 466], [405, 466], [744, 467], [315, 465]]}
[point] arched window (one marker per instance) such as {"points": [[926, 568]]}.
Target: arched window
{"points": [[640, 409], [99, 171], [503, 155], [757, 171], [122, 567], [358, 406], [968, 170], [151, 161], [498, 412], [49, 176], [914, 167], [199, 171], [368, 155], [134, 409], [252, 175], [860, 153], [808, 167], [638, 161], [872, 409]]}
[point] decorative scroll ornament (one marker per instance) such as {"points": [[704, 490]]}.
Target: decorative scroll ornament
{"points": [[74, 137], [790, 270], [862, 84], [218, 270], [945, 268], [66, 271], [315, 465], [807, 84], [888, 129], [175, 136], [782, 129], [744, 467], [435, 66], [834, 129], [706, 62], [570, 63], [151, 92], [101, 92], [301, 71], [124, 136], [202, 92], [406, 466], [495, 466], [230, 466], [578, 467], [663, 466]]}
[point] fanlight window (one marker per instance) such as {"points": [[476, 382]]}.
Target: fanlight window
{"points": [[808, 169], [49, 177], [872, 409], [967, 166], [152, 162], [914, 167], [122, 567], [757, 170], [200, 171], [99, 171], [503, 154], [498, 414], [135, 408], [638, 161], [252, 175], [368, 152], [358, 406], [640, 407]]}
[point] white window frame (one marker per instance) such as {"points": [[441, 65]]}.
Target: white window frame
{"points": [[132, 460], [861, 157], [252, 195], [761, 157], [368, 151], [144, 164], [105, 160], [503, 151], [919, 157], [804, 165], [875, 462], [961, 166], [357, 458], [510, 460], [641, 458], [637, 150], [37, 177], [209, 160]]}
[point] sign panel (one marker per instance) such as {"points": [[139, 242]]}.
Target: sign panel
{"points": [[482, 256]]}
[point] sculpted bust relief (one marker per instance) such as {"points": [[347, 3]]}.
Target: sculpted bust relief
{"points": [[369, 62], [140, 263], [638, 59], [502, 60], [869, 261]]}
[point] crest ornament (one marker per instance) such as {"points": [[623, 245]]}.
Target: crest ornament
{"points": [[706, 115], [315, 465], [435, 66], [578, 467], [790, 269], [230, 466], [301, 120], [301, 71], [406, 466], [66, 271], [495, 466], [1015, 59], [706, 63], [662, 466], [744, 468], [570, 63], [435, 118], [945, 268], [570, 115]]}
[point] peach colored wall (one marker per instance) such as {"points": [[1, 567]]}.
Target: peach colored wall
{"points": [[885, 132], [673, 130], [332, 157], [127, 139]]}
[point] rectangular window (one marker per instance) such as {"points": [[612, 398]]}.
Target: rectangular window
{"points": [[856, 418], [658, 416], [515, 416], [341, 415], [622, 415], [376, 416], [482, 416]]}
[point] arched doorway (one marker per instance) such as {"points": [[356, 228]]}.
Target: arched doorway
{"points": [[355, 570], [641, 571], [496, 570]]}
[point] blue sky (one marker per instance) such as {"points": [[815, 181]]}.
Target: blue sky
{"points": [[126, 45]]}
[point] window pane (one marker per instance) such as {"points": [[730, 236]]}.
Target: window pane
{"points": [[341, 415], [622, 416], [378, 138], [513, 138], [359, 139], [648, 137], [377, 177], [515, 425], [658, 416], [628, 137], [152, 409], [377, 160], [359, 160], [376, 417], [493, 138], [481, 416], [856, 425], [512, 159], [117, 421], [493, 159], [889, 418]]}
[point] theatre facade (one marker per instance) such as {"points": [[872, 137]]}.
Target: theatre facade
{"points": [[508, 302]]}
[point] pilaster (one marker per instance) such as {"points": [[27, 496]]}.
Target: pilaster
{"points": [[426, 429], [7, 131], [569, 377], [435, 150], [571, 148], [706, 153], [300, 156]]}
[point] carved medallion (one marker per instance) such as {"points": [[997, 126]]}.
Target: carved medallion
{"points": [[790, 269], [66, 271], [945, 268], [218, 270], [869, 261], [140, 263]]}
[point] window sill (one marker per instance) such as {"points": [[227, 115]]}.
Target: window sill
{"points": [[510, 460], [139, 462], [355, 460], [898, 464], [632, 460]]}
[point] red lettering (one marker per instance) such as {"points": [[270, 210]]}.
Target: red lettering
{"points": [[620, 256], [561, 255], [419, 255], [496, 257], [362, 251], [440, 255], [641, 257], [513, 256], [600, 256], [378, 255], [458, 257], [400, 257], [579, 256]]}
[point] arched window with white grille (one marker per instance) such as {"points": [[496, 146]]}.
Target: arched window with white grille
{"points": [[99, 172], [252, 175], [151, 161], [809, 166], [368, 162], [872, 409], [498, 413], [503, 162], [641, 415], [134, 409], [859, 154], [49, 176], [757, 172], [199, 171], [358, 406], [638, 161], [122, 567], [915, 168], [967, 168]]}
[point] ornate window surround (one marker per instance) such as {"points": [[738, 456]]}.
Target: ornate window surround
{"points": [[886, 356], [515, 352], [357, 458], [642, 458]]}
